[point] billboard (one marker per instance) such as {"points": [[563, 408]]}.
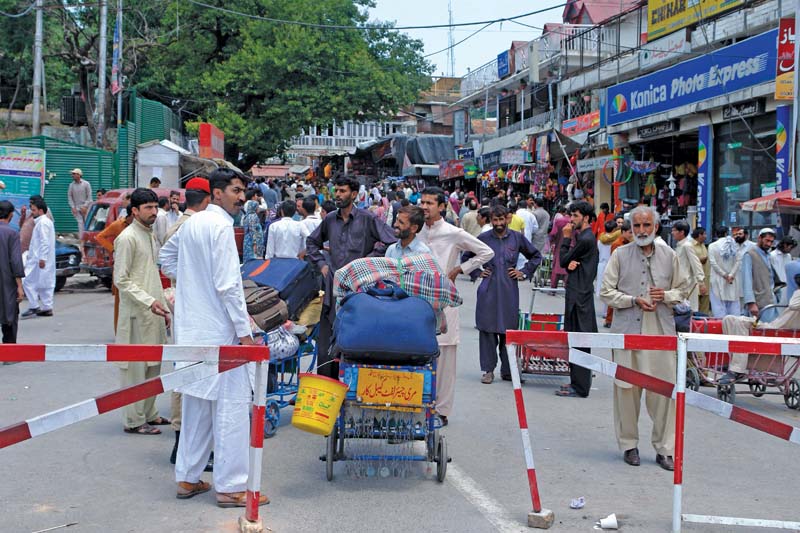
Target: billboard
{"points": [[784, 73], [667, 16], [744, 64], [22, 171]]}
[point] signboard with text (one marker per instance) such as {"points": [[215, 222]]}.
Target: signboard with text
{"points": [[580, 124], [667, 16], [784, 73], [665, 49], [658, 128], [22, 170], [738, 66], [783, 145], [503, 66], [705, 151]]}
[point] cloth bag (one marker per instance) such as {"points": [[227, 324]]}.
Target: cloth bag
{"points": [[282, 344]]}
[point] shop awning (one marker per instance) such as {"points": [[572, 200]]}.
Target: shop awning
{"points": [[780, 202], [421, 170]]}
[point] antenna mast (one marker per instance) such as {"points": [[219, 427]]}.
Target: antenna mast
{"points": [[451, 52]]}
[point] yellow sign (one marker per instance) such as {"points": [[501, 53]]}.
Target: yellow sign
{"points": [[390, 387], [667, 16]]}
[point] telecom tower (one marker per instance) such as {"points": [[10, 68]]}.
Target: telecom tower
{"points": [[451, 51]]}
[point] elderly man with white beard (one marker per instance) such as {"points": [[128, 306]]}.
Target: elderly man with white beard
{"points": [[642, 282]]}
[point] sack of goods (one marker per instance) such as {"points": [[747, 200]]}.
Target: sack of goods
{"points": [[282, 344], [384, 325], [295, 280], [265, 306]]}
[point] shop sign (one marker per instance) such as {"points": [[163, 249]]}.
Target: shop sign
{"points": [[667, 16], [662, 50], [512, 156], [705, 150], [783, 145], [580, 124], [211, 141], [743, 110], [453, 168], [490, 160], [784, 74], [590, 165], [734, 67], [459, 127], [503, 66], [658, 128], [543, 149], [465, 153]]}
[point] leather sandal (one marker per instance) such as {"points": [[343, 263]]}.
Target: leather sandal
{"points": [[160, 421], [187, 490], [144, 429], [237, 499]]}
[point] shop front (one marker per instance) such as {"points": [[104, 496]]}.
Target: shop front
{"points": [[701, 134]]}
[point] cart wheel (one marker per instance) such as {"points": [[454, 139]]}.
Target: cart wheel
{"points": [[441, 459], [692, 379], [792, 395], [727, 393], [272, 419], [758, 389], [329, 454]]}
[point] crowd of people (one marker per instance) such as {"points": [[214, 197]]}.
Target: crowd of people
{"points": [[620, 260]]}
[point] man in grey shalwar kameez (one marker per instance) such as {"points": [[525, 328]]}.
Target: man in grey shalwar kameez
{"points": [[498, 294], [11, 273]]}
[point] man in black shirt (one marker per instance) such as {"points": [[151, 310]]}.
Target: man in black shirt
{"points": [[579, 257]]}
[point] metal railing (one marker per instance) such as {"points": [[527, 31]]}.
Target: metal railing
{"points": [[547, 119], [479, 78]]}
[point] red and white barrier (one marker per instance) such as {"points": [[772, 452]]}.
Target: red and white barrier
{"points": [[211, 360], [682, 344], [541, 518]]}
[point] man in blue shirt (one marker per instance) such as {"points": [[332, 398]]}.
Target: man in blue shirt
{"points": [[410, 220]]}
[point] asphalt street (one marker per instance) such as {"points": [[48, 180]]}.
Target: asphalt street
{"points": [[102, 479]]}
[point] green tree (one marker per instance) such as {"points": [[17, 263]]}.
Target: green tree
{"points": [[261, 82]]}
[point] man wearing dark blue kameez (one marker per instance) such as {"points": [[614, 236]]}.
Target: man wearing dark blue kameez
{"points": [[497, 306]]}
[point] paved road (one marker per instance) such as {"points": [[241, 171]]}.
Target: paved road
{"points": [[94, 474]]}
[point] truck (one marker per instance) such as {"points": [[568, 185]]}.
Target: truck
{"points": [[97, 261]]}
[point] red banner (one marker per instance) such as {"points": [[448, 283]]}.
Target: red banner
{"points": [[211, 141], [582, 123]]}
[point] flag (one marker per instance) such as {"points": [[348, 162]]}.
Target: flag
{"points": [[116, 58]]}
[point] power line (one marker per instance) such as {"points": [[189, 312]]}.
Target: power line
{"points": [[370, 27], [21, 13], [471, 35]]}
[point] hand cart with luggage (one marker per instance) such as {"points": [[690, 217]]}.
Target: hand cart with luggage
{"points": [[541, 278], [277, 290], [763, 371], [541, 360]]}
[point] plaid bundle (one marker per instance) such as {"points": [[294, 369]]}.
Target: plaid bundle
{"points": [[418, 275]]}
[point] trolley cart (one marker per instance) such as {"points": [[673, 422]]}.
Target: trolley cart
{"points": [[763, 370], [539, 360], [387, 403], [541, 278], [284, 377]]}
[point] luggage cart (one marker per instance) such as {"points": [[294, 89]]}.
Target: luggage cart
{"points": [[763, 370], [387, 403], [538, 360], [284, 377], [541, 278]]}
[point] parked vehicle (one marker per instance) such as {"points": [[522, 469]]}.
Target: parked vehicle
{"points": [[97, 260], [68, 263]]}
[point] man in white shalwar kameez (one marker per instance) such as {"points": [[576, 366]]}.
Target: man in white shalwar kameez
{"points": [[210, 310], [447, 242], [39, 282]]}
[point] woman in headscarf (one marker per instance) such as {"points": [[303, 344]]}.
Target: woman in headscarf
{"points": [[253, 232], [559, 221], [362, 200]]}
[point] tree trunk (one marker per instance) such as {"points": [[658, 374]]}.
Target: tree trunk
{"points": [[13, 100]]}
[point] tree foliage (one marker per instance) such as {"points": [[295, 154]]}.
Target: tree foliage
{"points": [[261, 82]]}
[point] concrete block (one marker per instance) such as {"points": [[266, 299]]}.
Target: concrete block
{"points": [[246, 526], [542, 520]]}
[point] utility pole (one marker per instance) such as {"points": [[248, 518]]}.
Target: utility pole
{"points": [[37, 71], [119, 65], [101, 74]]}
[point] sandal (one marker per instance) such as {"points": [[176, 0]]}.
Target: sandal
{"points": [[144, 429], [567, 393], [160, 421], [187, 490]]}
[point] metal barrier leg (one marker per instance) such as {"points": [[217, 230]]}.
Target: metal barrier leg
{"points": [[250, 522], [539, 518], [680, 413]]}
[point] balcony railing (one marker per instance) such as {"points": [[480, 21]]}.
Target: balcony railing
{"points": [[479, 78], [548, 119]]}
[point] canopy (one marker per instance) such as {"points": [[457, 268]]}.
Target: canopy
{"points": [[780, 202]]}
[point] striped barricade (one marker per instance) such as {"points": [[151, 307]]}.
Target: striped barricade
{"points": [[209, 361], [567, 345]]}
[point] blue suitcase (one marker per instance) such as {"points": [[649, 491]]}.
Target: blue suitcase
{"points": [[295, 280], [385, 326]]}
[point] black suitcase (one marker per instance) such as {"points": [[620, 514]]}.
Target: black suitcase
{"points": [[295, 280]]}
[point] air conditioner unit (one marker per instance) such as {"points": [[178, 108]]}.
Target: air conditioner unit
{"points": [[73, 111]]}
